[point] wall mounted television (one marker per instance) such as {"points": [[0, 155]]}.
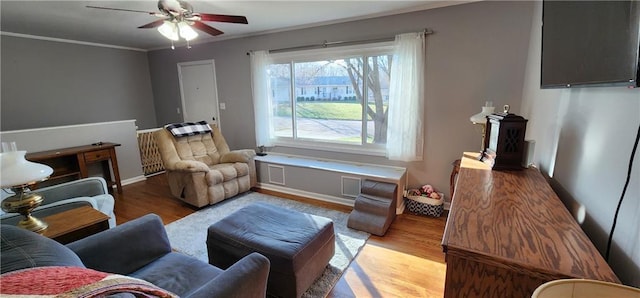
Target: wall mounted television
{"points": [[590, 43]]}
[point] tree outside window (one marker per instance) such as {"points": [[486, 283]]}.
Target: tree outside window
{"points": [[348, 107]]}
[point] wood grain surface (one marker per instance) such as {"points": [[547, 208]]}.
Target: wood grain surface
{"points": [[75, 224], [406, 262], [511, 222]]}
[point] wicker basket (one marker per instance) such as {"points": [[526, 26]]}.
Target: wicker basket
{"points": [[425, 206]]}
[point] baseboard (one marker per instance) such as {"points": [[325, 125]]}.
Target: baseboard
{"points": [[155, 174], [317, 196], [400, 208], [133, 180], [306, 194], [335, 180]]}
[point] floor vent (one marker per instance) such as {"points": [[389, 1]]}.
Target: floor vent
{"points": [[276, 175], [350, 186]]}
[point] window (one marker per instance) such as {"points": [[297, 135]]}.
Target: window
{"points": [[383, 91], [348, 107]]}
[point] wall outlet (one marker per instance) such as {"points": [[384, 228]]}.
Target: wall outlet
{"points": [[223, 106], [178, 110]]}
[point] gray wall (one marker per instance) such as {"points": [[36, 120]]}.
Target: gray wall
{"points": [[584, 139], [120, 132], [478, 53], [48, 83]]}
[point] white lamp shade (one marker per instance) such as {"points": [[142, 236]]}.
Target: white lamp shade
{"points": [[15, 170], [186, 31], [482, 116], [169, 30]]}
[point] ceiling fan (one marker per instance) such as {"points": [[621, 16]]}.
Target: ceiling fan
{"points": [[177, 18]]}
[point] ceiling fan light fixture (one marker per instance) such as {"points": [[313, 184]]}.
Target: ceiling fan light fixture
{"points": [[178, 20], [186, 31], [169, 30]]}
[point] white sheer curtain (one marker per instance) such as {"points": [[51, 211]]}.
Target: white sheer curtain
{"points": [[406, 99], [261, 99]]}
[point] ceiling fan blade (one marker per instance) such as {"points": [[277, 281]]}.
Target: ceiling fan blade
{"points": [[206, 28], [207, 17], [122, 9], [152, 24]]}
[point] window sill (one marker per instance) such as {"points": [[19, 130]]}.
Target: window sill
{"points": [[361, 150], [387, 173]]}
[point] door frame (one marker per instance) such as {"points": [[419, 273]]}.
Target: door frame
{"points": [[218, 121]]}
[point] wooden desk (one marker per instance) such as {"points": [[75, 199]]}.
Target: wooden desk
{"points": [[75, 224], [71, 163], [508, 232]]}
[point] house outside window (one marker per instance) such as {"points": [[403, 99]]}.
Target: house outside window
{"points": [[348, 110]]}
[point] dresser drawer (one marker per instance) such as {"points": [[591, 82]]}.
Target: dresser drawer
{"points": [[97, 155]]}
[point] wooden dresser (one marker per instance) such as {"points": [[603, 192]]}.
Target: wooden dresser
{"points": [[71, 163], [508, 232]]}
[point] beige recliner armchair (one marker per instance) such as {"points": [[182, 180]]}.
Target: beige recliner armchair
{"points": [[202, 170]]}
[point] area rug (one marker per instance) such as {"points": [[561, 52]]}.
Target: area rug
{"points": [[188, 235]]}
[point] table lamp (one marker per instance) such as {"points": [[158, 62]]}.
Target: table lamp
{"points": [[18, 173], [481, 119]]}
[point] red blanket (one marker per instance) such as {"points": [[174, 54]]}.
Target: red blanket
{"points": [[73, 282]]}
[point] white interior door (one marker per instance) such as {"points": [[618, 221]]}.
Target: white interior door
{"points": [[199, 91]]}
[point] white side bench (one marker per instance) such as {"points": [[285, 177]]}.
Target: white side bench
{"points": [[323, 179]]}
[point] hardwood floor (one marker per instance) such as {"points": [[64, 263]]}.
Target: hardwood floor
{"points": [[407, 262]]}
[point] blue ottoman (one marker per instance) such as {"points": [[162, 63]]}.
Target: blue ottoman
{"points": [[298, 245]]}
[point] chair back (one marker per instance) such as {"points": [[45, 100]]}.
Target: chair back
{"points": [[206, 148]]}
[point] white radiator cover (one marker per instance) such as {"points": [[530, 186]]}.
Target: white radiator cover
{"points": [[326, 180]]}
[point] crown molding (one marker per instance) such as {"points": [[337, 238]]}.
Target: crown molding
{"points": [[93, 44]]}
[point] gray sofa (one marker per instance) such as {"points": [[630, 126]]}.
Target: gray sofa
{"points": [[90, 191], [139, 249]]}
